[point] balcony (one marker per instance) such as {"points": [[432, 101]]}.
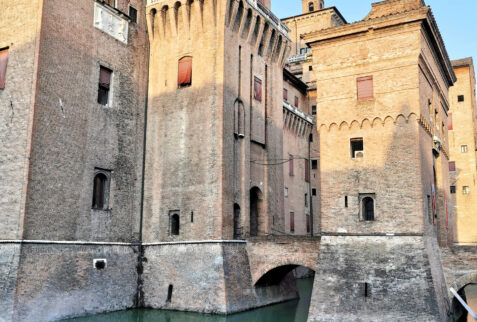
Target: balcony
{"points": [[299, 58]]}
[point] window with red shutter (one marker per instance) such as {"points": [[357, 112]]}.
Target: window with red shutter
{"points": [[307, 170], [104, 85], [365, 87], [185, 72], [3, 67], [257, 89], [451, 166], [296, 101], [450, 126], [290, 165], [285, 95], [292, 222]]}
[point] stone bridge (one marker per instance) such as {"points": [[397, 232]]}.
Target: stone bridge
{"points": [[278, 255]]}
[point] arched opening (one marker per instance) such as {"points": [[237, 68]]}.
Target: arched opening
{"points": [[175, 225], [255, 210], [368, 209], [100, 191], [469, 294], [237, 226], [238, 17], [311, 7]]}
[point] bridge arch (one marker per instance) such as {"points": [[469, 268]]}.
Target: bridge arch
{"points": [[457, 311], [276, 274]]}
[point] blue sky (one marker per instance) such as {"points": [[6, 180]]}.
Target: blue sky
{"points": [[457, 20]]}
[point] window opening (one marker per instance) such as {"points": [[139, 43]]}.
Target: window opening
{"points": [[357, 148]]}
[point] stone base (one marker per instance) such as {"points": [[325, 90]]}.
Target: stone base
{"points": [[398, 276]]}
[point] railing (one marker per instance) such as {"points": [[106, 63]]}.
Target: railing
{"points": [[457, 296], [298, 58]]}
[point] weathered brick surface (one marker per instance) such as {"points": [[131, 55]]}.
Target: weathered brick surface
{"points": [[397, 271]]}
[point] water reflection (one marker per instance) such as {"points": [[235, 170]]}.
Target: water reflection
{"points": [[290, 311]]}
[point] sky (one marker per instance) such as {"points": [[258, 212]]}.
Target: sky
{"points": [[457, 20]]}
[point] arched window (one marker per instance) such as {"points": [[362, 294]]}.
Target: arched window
{"points": [[100, 191], [311, 7], [175, 224], [185, 72], [368, 209]]}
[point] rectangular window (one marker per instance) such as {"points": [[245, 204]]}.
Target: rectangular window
{"points": [[452, 166], [257, 89], [464, 149], [460, 98], [310, 68], [314, 164], [290, 165], [450, 126], [365, 87], [311, 137], [292, 222], [286, 192], [302, 51], [185, 72], [466, 190], [313, 192], [307, 223], [357, 148], [285, 95], [307, 170], [133, 14], [346, 201], [104, 85], [3, 67], [296, 101], [313, 110], [452, 189]]}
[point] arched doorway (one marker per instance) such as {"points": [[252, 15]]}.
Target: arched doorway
{"points": [[255, 210], [237, 226]]}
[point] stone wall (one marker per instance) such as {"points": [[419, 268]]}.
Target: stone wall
{"points": [[9, 260], [398, 276]]}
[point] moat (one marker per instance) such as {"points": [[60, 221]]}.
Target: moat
{"points": [[296, 311]]}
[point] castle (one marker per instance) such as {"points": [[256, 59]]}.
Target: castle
{"points": [[189, 155]]}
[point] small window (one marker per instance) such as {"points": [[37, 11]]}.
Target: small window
{"points": [[367, 205], [357, 148], [464, 149], [365, 87], [346, 201], [311, 7], [257, 89], [285, 95], [465, 190], [296, 101], [460, 98], [452, 166], [104, 85], [307, 170], [310, 137], [175, 224], [314, 164], [185, 72], [101, 190], [169, 293], [3, 67], [302, 51], [313, 110], [450, 126], [291, 169], [313, 192], [310, 68], [133, 14], [286, 192], [292, 222], [100, 264], [452, 189]]}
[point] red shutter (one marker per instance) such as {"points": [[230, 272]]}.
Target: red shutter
{"points": [[365, 87], [104, 77], [292, 222], [290, 165], [296, 101], [450, 126], [3, 67], [285, 94], [307, 170], [185, 72], [452, 166], [257, 89]]}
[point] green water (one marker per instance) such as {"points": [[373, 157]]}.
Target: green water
{"points": [[293, 311]]}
